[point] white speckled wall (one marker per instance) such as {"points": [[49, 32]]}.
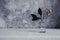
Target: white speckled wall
{"points": [[19, 13]]}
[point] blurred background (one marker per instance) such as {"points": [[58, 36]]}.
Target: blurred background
{"points": [[17, 13]]}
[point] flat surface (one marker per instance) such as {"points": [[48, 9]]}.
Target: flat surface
{"points": [[25, 34]]}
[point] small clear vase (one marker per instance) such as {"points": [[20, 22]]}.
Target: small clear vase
{"points": [[42, 29]]}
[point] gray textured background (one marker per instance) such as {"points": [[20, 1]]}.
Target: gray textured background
{"points": [[16, 13]]}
